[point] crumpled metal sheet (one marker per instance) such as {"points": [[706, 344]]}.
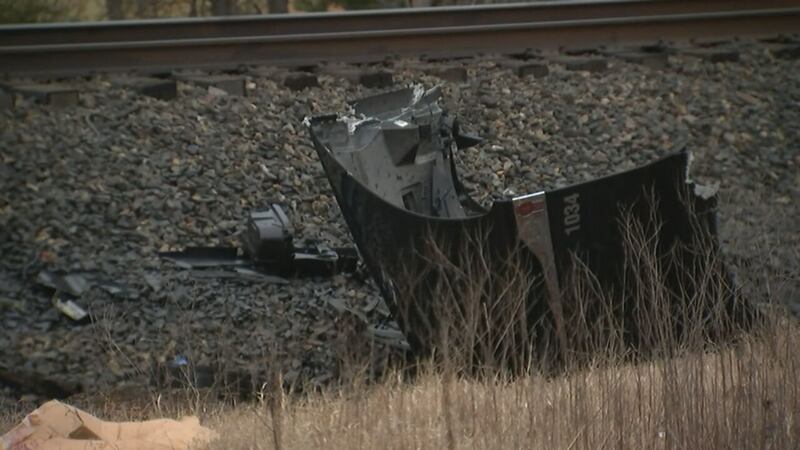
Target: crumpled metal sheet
{"points": [[390, 162]]}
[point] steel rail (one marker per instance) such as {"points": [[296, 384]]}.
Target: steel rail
{"points": [[410, 18], [377, 44]]}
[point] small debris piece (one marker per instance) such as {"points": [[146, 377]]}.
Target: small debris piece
{"points": [[58, 425], [268, 241], [714, 54], [582, 63], [115, 289], [153, 280], [73, 284], [181, 373], [298, 81], [198, 257], [246, 274], [49, 94], [230, 84], [47, 278], [77, 283], [341, 307], [389, 334], [70, 309], [239, 273], [268, 238], [336, 304], [706, 191], [321, 260], [162, 89], [526, 68]]}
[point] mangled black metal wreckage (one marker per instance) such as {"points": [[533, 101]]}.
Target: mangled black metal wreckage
{"points": [[390, 162]]}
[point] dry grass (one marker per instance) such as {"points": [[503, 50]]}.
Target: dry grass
{"points": [[720, 381], [742, 397], [713, 385]]}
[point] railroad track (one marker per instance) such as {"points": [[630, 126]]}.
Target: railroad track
{"points": [[298, 39]]}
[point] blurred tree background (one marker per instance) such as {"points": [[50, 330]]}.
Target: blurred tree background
{"points": [[28, 11]]}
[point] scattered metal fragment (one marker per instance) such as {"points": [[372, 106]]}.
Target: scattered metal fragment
{"points": [[268, 239], [269, 242], [68, 287], [73, 284], [70, 309], [340, 306], [239, 273], [390, 162], [153, 280], [183, 373], [199, 257], [78, 283], [317, 259], [389, 334], [270, 254]]}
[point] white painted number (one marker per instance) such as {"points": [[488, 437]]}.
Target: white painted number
{"points": [[572, 214]]}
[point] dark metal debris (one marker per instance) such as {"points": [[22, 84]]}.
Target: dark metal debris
{"points": [[68, 287], [390, 162], [240, 273], [270, 254], [199, 257], [78, 283], [268, 239]]}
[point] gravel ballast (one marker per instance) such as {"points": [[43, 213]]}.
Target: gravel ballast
{"points": [[105, 185]]}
